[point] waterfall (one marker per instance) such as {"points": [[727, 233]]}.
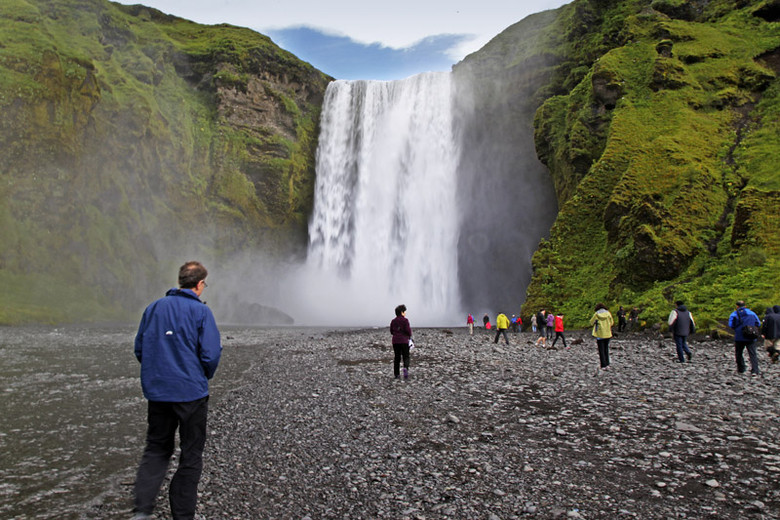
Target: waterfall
{"points": [[384, 230]]}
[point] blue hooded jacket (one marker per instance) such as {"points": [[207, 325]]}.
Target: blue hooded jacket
{"points": [[741, 317], [178, 346]]}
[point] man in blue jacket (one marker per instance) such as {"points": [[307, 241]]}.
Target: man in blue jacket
{"points": [[741, 317], [178, 346]]}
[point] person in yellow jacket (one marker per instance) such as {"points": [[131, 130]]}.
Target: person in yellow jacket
{"points": [[602, 331], [502, 323]]}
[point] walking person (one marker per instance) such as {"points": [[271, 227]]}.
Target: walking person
{"points": [[621, 315], [179, 348], [682, 325], [559, 330], [541, 323], [402, 335], [470, 323], [550, 324], [602, 330], [502, 323], [486, 321], [533, 323], [770, 330], [739, 319]]}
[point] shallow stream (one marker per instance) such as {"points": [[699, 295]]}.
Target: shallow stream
{"points": [[73, 415]]}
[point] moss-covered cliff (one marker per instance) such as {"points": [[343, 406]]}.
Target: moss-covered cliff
{"points": [[659, 127], [130, 138]]}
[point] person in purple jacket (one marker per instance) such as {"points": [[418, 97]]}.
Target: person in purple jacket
{"points": [[402, 335], [179, 348]]}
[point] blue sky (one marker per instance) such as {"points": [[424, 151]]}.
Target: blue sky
{"points": [[360, 39]]}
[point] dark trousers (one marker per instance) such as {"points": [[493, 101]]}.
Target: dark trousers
{"points": [[559, 335], [603, 344], [163, 420], [401, 351], [498, 333], [739, 348], [682, 347]]}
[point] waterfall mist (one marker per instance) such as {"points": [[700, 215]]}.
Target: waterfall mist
{"points": [[428, 193], [384, 230]]}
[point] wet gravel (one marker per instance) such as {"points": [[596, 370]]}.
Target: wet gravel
{"points": [[319, 429]]}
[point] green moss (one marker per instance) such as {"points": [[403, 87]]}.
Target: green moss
{"points": [[115, 144], [676, 176]]}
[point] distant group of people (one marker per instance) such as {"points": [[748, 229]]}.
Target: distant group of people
{"points": [[178, 347], [548, 325]]}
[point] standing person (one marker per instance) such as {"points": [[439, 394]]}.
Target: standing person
{"points": [[541, 323], [738, 320], [179, 348], [632, 319], [470, 323], [402, 334], [682, 325], [621, 314], [771, 332], [550, 324], [513, 323], [533, 323], [602, 330], [559, 330], [486, 321], [502, 323]]}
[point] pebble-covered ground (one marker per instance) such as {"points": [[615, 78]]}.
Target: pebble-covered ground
{"points": [[320, 429]]}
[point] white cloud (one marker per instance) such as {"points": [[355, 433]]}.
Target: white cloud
{"points": [[397, 24]]}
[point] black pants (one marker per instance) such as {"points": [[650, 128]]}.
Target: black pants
{"points": [[739, 348], [498, 334], [401, 351], [603, 345], [163, 421], [559, 335]]}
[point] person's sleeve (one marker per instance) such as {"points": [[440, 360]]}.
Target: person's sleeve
{"points": [[210, 345], [408, 329], [732, 319], [673, 316], [139, 346]]}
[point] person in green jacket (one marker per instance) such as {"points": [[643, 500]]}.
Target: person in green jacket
{"points": [[502, 323], [602, 331]]}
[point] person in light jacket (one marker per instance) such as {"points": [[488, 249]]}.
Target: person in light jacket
{"points": [[602, 330], [502, 323], [682, 325]]}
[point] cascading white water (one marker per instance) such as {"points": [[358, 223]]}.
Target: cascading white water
{"points": [[385, 228]]}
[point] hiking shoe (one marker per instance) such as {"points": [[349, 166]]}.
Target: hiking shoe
{"points": [[406, 373], [689, 354]]}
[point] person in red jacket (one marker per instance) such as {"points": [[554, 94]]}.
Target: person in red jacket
{"points": [[559, 330]]}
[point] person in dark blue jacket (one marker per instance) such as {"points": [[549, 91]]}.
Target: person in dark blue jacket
{"points": [[741, 317], [179, 348]]}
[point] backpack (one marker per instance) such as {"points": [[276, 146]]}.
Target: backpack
{"points": [[748, 331]]}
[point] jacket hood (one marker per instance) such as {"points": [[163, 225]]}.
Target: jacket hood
{"points": [[776, 308], [682, 308], [602, 314]]}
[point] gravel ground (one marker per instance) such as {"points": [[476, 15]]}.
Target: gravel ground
{"points": [[321, 430]]}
